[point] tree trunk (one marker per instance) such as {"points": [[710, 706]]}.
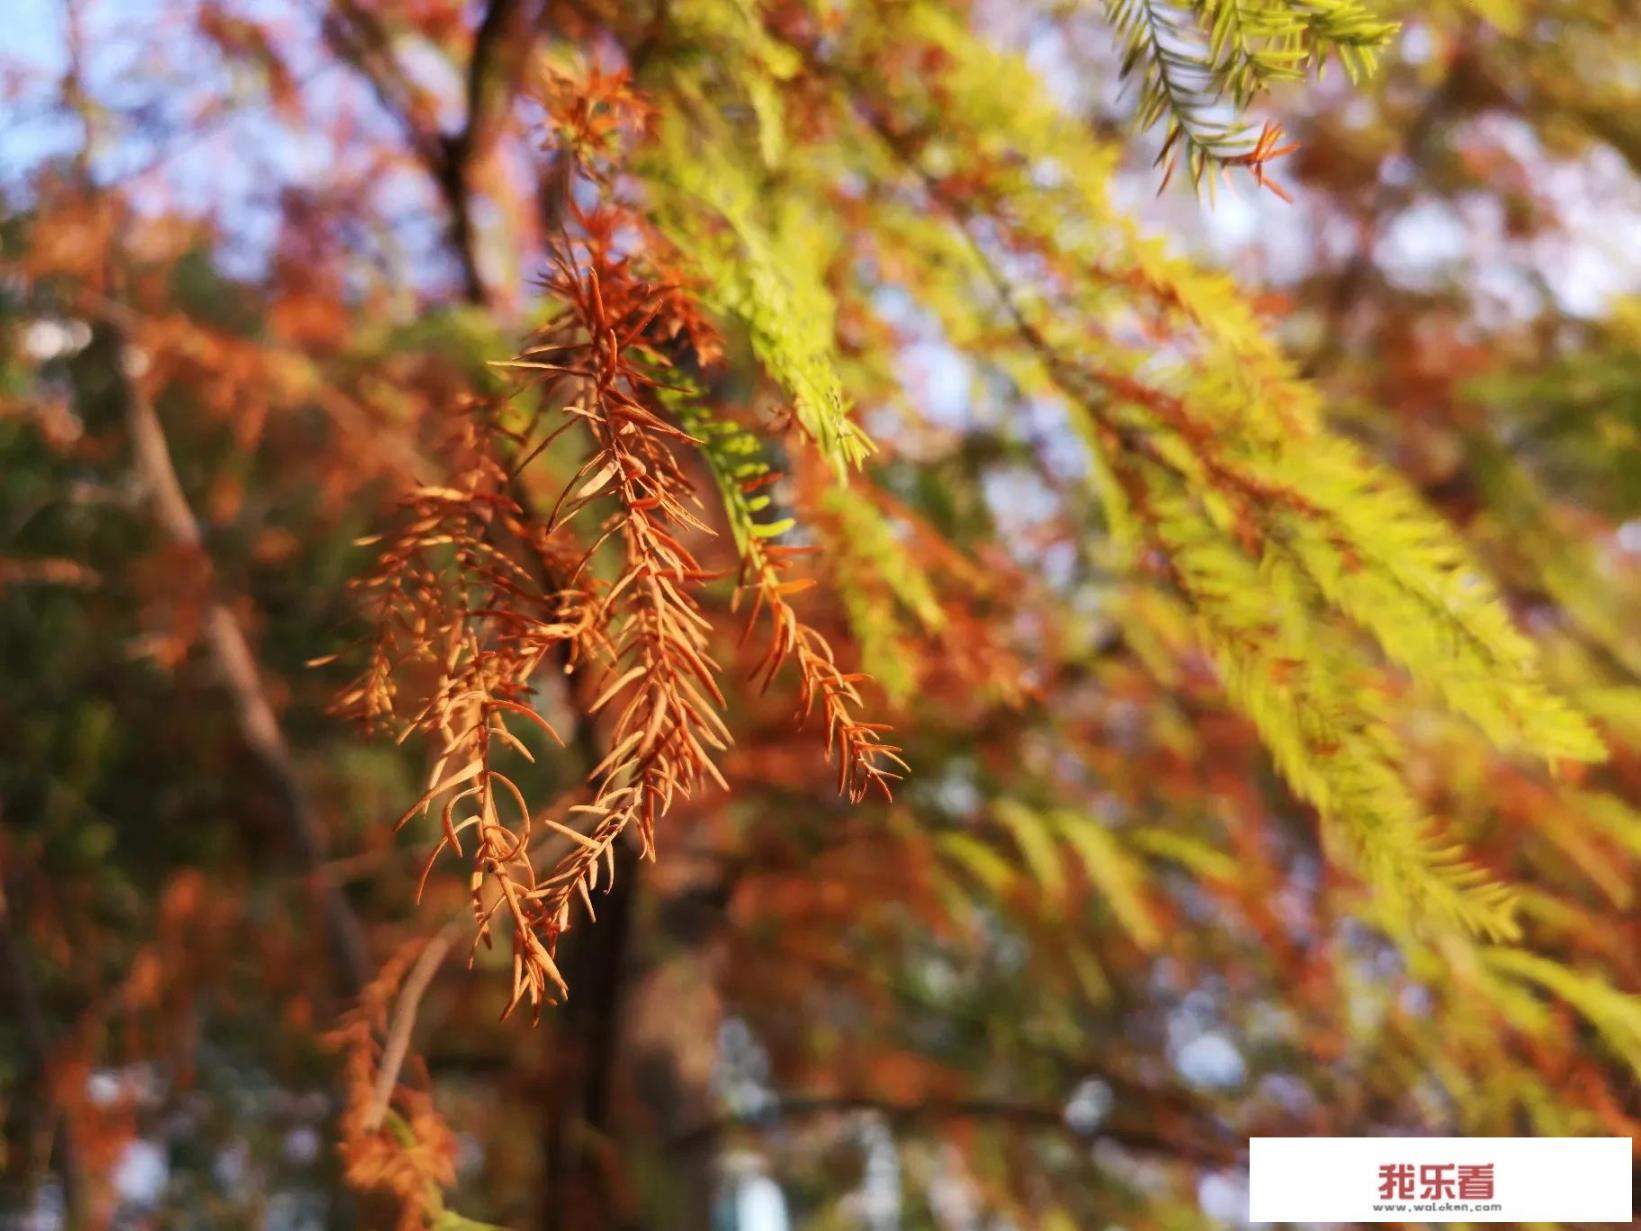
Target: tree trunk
{"points": [[583, 1189], [630, 1073]]}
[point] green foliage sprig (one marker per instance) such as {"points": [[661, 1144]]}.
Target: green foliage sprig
{"points": [[1200, 64]]}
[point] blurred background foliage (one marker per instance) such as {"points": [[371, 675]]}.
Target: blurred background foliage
{"points": [[1092, 945]]}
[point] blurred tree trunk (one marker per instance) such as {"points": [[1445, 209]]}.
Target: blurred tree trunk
{"points": [[582, 1187], [38, 1135], [632, 1052]]}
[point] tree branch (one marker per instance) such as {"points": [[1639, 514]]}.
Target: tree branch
{"points": [[237, 667], [458, 151], [404, 1021], [356, 36]]}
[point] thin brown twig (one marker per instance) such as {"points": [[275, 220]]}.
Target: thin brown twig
{"points": [[404, 1021]]}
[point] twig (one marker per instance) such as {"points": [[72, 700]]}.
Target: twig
{"points": [[404, 1021]]}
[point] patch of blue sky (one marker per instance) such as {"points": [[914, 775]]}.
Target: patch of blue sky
{"points": [[185, 133], [942, 378]]}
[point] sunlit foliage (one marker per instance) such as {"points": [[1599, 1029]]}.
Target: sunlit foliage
{"points": [[725, 518]]}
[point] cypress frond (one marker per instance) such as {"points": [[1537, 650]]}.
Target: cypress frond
{"points": [[886, 594], [1199, 65], [865, 761], [1383, 560], [763, 267], [727, 43], [1293, 676], [1114, 871], [1216, 453], [1616, 1015], [1047, 846]]}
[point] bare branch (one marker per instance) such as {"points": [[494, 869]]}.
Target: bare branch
{"points": [[404, 1021], [237, 667]]}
